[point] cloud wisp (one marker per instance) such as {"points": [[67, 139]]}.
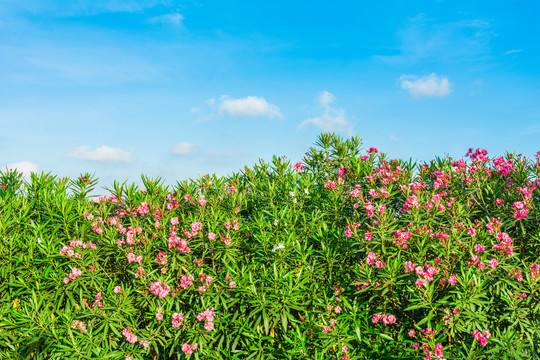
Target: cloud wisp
{"points": [[331, 119], [430, 85], [424, 38], [513, 51], [185, 148], [102, 153], [249, 106], [174, 19]]}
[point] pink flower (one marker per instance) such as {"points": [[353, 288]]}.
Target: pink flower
{"points": [[209, 326], [372, 150], [140, 272], [370, 209], [375, 319], [159, 316], [75, 273], [453, 279], [523, 213], [371, 258], [207, 314], [480, 337], [177, 319], [299, 167], [80, 325], [202, 201], [186, 281], [187, 349], [330, 185], [66, 280], [132, 338], [391, 319], [344, 349], [479, 248], [211, 236], [159, 289], [174, 221], [117, 289], [412, 333], [326, 329], [438, 350], [368, 236], [232, 284]]}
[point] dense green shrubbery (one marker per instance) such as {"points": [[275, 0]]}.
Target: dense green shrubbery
{"points": [[346, 255]]}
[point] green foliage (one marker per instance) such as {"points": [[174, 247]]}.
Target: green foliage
{"points": [[344, 256]]}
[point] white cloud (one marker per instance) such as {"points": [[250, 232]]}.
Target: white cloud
{"points": [[168, 19], [513, 51], [423, 38], [102, 153], [81, 8], [26, 167], [394, 138], [326, 98], [185, 148], [249, 106], [430, 85], [332, 119]]}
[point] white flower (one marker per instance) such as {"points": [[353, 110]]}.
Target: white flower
{"points": [[291, 193], [276, 222], [278, 246], [39, 240], [306, 191]]}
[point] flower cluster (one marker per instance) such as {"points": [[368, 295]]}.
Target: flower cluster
{"points": [[75, 273], [177, 319], [79, 325], [207, 315], [160, 289], [68, 250], [189, 349], [130, 337], [387, 319], [481, 338]]}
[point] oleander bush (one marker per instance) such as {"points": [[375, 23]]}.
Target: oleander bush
{"points": [[346, 255]]}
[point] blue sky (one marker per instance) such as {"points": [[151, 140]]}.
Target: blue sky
{"points": [[176, 89]]}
